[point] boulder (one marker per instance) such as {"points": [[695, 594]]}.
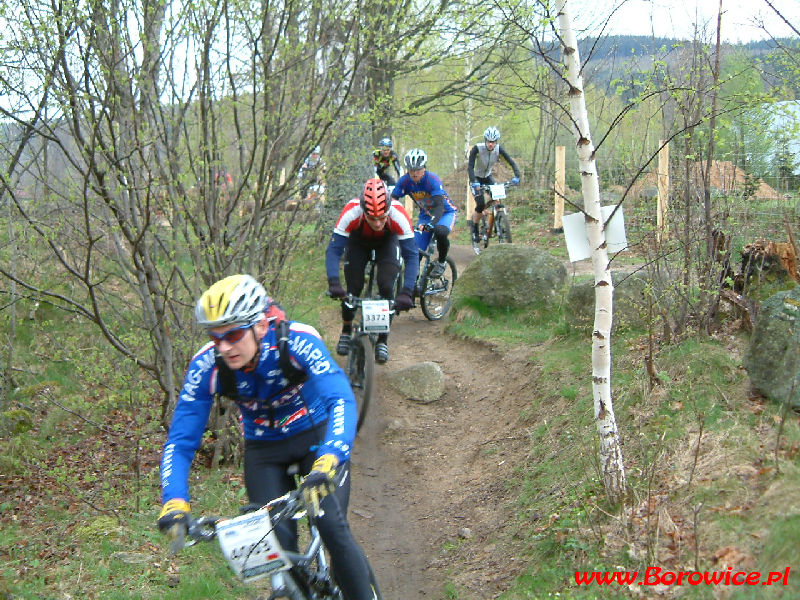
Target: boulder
{"points": [[630, 302], [772, 358], [423, 382], [511, 276]]}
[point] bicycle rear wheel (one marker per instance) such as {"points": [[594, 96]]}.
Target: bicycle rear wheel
{"points": [[435, 293], [503, 228], [361, 372]]}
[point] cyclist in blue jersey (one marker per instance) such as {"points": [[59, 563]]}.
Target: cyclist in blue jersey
{"points": [[312, 422], [437, 213]]}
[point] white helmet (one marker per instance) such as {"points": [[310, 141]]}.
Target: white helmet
{"points": [[235, 300], [415, 159], [492, 134]]}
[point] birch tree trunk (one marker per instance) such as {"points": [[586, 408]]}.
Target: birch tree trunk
{"points": [[610, 450]]}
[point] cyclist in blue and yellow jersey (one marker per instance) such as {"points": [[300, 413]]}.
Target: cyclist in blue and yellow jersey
{"points": [[310, 421], [383, 158], [482, 159], [437, 213]]}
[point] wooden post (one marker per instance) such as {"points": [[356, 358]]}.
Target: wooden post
{"points": [[560, 188], [469, 200], [469, 205], [662, 229]]}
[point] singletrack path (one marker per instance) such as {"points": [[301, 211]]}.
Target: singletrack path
{"points": [[429, 498]]}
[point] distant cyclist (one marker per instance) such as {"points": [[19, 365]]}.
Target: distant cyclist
{"points": [[372, 222], [312, 172], [482, 159], [437, 213], [383, 158]]}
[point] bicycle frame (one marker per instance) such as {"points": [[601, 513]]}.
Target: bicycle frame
{"points": [[307, 575], [434, 292], [360, 366], [494, 219]]}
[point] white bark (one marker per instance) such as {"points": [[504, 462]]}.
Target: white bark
{"points": [[610, 450]]}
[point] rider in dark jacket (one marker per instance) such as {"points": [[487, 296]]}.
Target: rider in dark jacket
{"points": [[383, 158]]}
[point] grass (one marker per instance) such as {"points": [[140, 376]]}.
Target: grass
{"points": [[79, 492], [698, 453], [704, 485]]}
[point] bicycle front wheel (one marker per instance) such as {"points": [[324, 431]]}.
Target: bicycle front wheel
{"points": [[503, 228], [435, 294], [292, 585], [361, 372]]}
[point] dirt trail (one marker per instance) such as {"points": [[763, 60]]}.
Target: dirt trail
{"points": [[429, 481]]}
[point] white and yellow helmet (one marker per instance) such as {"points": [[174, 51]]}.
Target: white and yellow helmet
{"points": [[235, 300]]}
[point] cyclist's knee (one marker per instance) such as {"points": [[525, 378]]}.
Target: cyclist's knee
{"points": [[440, 232]]}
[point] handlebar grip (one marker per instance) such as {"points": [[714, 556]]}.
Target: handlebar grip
{"points": [[177, 537]]}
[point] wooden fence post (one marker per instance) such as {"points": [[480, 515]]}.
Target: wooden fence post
{"points": [[662, 228], [469, 204], [560, 188]]}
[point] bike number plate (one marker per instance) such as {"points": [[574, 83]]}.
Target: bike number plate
{"points": [[376, 316], [498, 191], [250, 546]]}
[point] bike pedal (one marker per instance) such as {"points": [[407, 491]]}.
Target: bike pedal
{"points": [[381, 353], [343, 345]]}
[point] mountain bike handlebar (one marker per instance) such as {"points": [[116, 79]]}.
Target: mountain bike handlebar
{"points": [[203, 528], [505, 184], [352, 301]]}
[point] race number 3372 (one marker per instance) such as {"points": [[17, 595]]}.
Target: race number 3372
{"points": [[376, 315]]}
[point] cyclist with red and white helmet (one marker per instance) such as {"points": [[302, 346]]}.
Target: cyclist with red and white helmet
{"points": [[383, 158], [372, 222], [437, 213], [482, 159]]}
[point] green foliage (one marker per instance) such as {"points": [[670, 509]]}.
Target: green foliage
{"points": [[563, 524], [780, 547], [15, 421], [501, 326]]}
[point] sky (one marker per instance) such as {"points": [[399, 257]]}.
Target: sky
{"points": [[677, 18]]}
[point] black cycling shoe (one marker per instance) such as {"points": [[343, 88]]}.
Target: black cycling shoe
{"points": [[381, 352], [343, 345], [438, 269]]}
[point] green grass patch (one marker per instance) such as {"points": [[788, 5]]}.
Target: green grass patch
{"points": [[689, 445]]}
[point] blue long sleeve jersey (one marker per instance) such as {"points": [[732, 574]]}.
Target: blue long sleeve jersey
{"points": [[269, 410], [429, 195]]}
